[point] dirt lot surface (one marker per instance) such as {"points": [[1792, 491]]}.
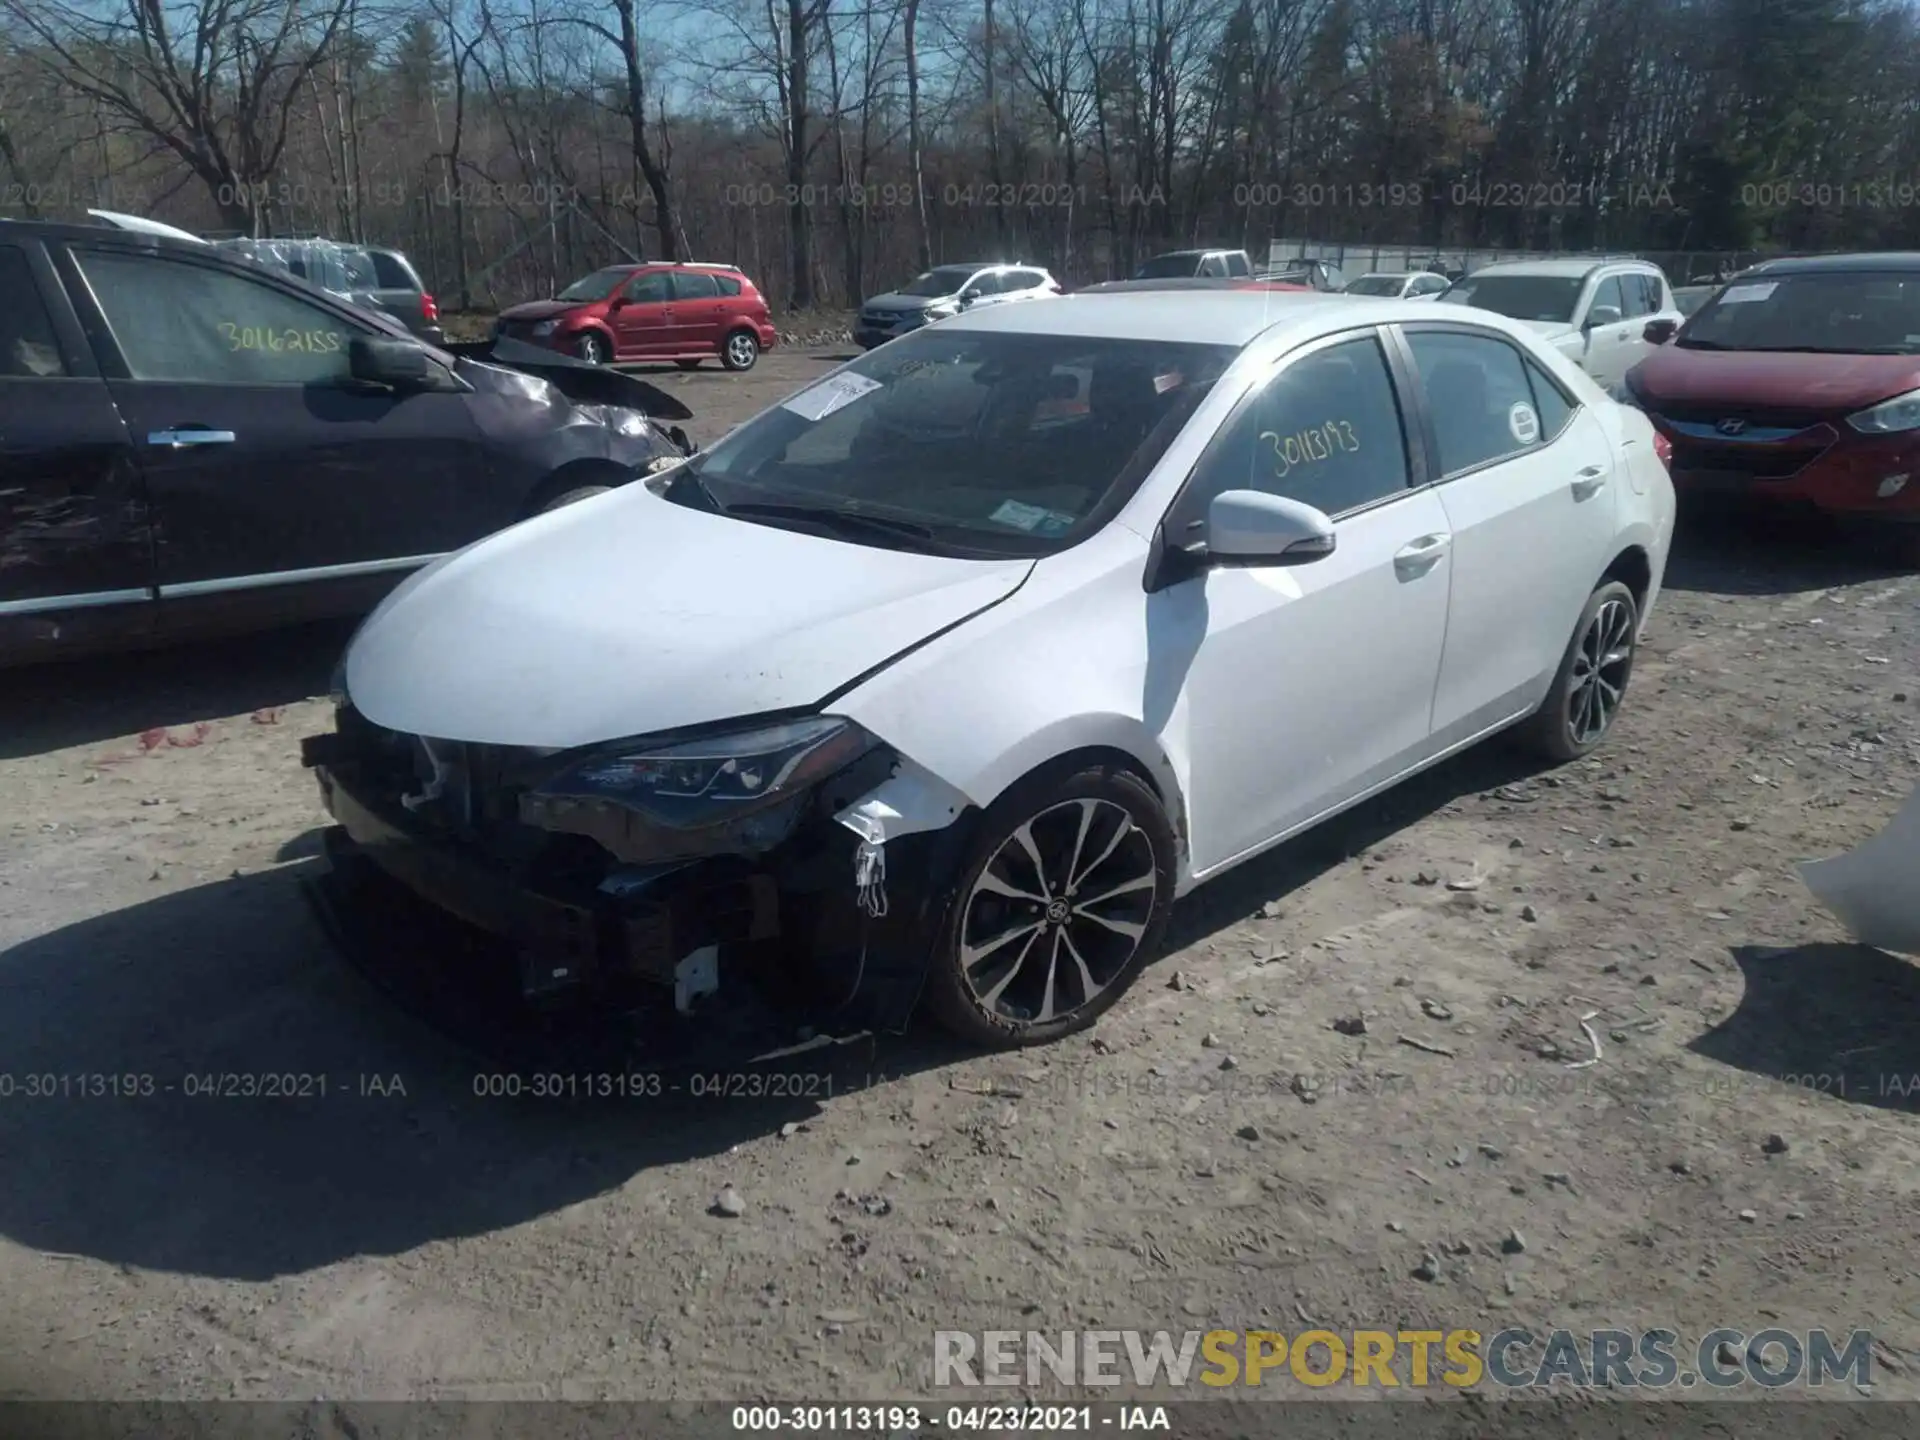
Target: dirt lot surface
{"points": [[1222, 1150]]}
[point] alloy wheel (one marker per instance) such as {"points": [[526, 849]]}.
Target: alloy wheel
{"points": [[1058, 912], [1599, 676], [741, 350], [593, 349]]}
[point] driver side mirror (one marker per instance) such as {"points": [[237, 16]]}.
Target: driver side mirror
{"points": [[398, 364], [1658, 332], [1251, 527], [1603, 315]]}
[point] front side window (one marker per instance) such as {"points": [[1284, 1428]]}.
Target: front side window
{"points": [[1237, 265], [1325, 431], [1607, 294], [175, 320], [1548, 298], [1478, 393], [994, 282], [28, 349], [1001, 443], [1834, 313], [1167, 267]]}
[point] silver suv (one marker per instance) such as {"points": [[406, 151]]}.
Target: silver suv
{"points": [[946, 290]]}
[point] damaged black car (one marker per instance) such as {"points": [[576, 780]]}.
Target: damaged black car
{"points": [[194, 444]]}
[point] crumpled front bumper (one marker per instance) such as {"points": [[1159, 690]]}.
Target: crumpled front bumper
{"points": [[792, 942]]}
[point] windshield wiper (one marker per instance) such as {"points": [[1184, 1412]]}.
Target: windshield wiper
{"points": [[833, 518]]}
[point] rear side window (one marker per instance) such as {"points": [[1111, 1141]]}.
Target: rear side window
{"points": [[650, 287], [727, 284], [392, 274], [693, 285], [174, 320], [1553, 404], [28, 349], [1480, 398]]}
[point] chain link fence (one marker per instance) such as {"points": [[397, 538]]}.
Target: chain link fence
{"points": [[1681, 267]]}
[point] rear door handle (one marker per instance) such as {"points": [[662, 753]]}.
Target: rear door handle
{"points": [[1589, 482], [1419, 556], [190, 435]]}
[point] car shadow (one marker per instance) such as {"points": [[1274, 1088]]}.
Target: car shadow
{"points": [[1722, 549], [82, 702], [218, 1094], [1838, 1019], [1239, 894]]}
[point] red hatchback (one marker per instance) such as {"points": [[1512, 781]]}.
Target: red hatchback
{"points": [[685, 313], [1799, 381]]}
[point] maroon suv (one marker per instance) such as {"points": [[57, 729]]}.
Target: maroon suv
{"points": [[685, 313], [1799, 381]]}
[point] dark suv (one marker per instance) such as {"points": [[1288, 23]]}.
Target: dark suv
{"points": [[190, 441], [685, 313]]}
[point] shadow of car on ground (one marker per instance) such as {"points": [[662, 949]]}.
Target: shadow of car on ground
{"points": [[283, 1114], [1726, 549], [1839, 1020]]}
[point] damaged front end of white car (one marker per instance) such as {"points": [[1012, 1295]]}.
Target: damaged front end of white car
{"points": [[775, 882]]}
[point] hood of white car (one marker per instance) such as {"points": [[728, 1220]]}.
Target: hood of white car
{"points": [[628, 615]]}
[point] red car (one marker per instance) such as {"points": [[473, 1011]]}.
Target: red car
{"points": [[685, 313], [1799, 381]]}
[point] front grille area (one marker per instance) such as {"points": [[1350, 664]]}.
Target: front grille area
{"points": [[1758, 417], [1754, 461]]}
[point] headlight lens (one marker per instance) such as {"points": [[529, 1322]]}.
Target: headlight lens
{"points": [[710, 780], [1889, 417], [546, 327]]}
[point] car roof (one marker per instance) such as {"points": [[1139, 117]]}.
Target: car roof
{"points": [[1824, 264], [1572, 267], [72, 230], [1210, 317]]}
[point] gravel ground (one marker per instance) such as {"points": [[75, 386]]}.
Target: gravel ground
{"points": [[1349, 1074]]}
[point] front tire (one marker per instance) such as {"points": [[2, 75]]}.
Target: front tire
{"points": [[593, 349], [741, 350], [1063, 897], [1591, 684], [571, 497]]}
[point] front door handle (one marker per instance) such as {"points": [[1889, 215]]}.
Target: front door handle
{"points": [[190, 435], [1419, 556], [1589, 482]]}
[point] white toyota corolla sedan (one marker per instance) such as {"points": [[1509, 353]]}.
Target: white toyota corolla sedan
{"points": [[942, 679]]}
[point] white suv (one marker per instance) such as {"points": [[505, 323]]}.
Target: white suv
{"points": [[1595, 312]]}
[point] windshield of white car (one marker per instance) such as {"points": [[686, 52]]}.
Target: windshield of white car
{"points": [[597, 286], [1836, 313], [1376, 285], [935, 283], [961, 442], [1519, 297]]}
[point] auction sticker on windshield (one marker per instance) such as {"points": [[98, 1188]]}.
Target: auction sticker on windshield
{"points": [[1744, 294], [817, 402], [1031, 517]]}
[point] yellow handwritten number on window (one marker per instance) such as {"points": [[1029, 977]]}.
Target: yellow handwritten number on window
{"points": [[1305, 447]]}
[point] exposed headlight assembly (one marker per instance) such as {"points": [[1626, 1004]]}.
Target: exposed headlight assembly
{"points": [[739, 791], [546, 327], [1889, 417]]}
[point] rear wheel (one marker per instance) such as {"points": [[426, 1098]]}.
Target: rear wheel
{"points": [[1064, 896], [1591, 684], [741, 350], [592, 348]]}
